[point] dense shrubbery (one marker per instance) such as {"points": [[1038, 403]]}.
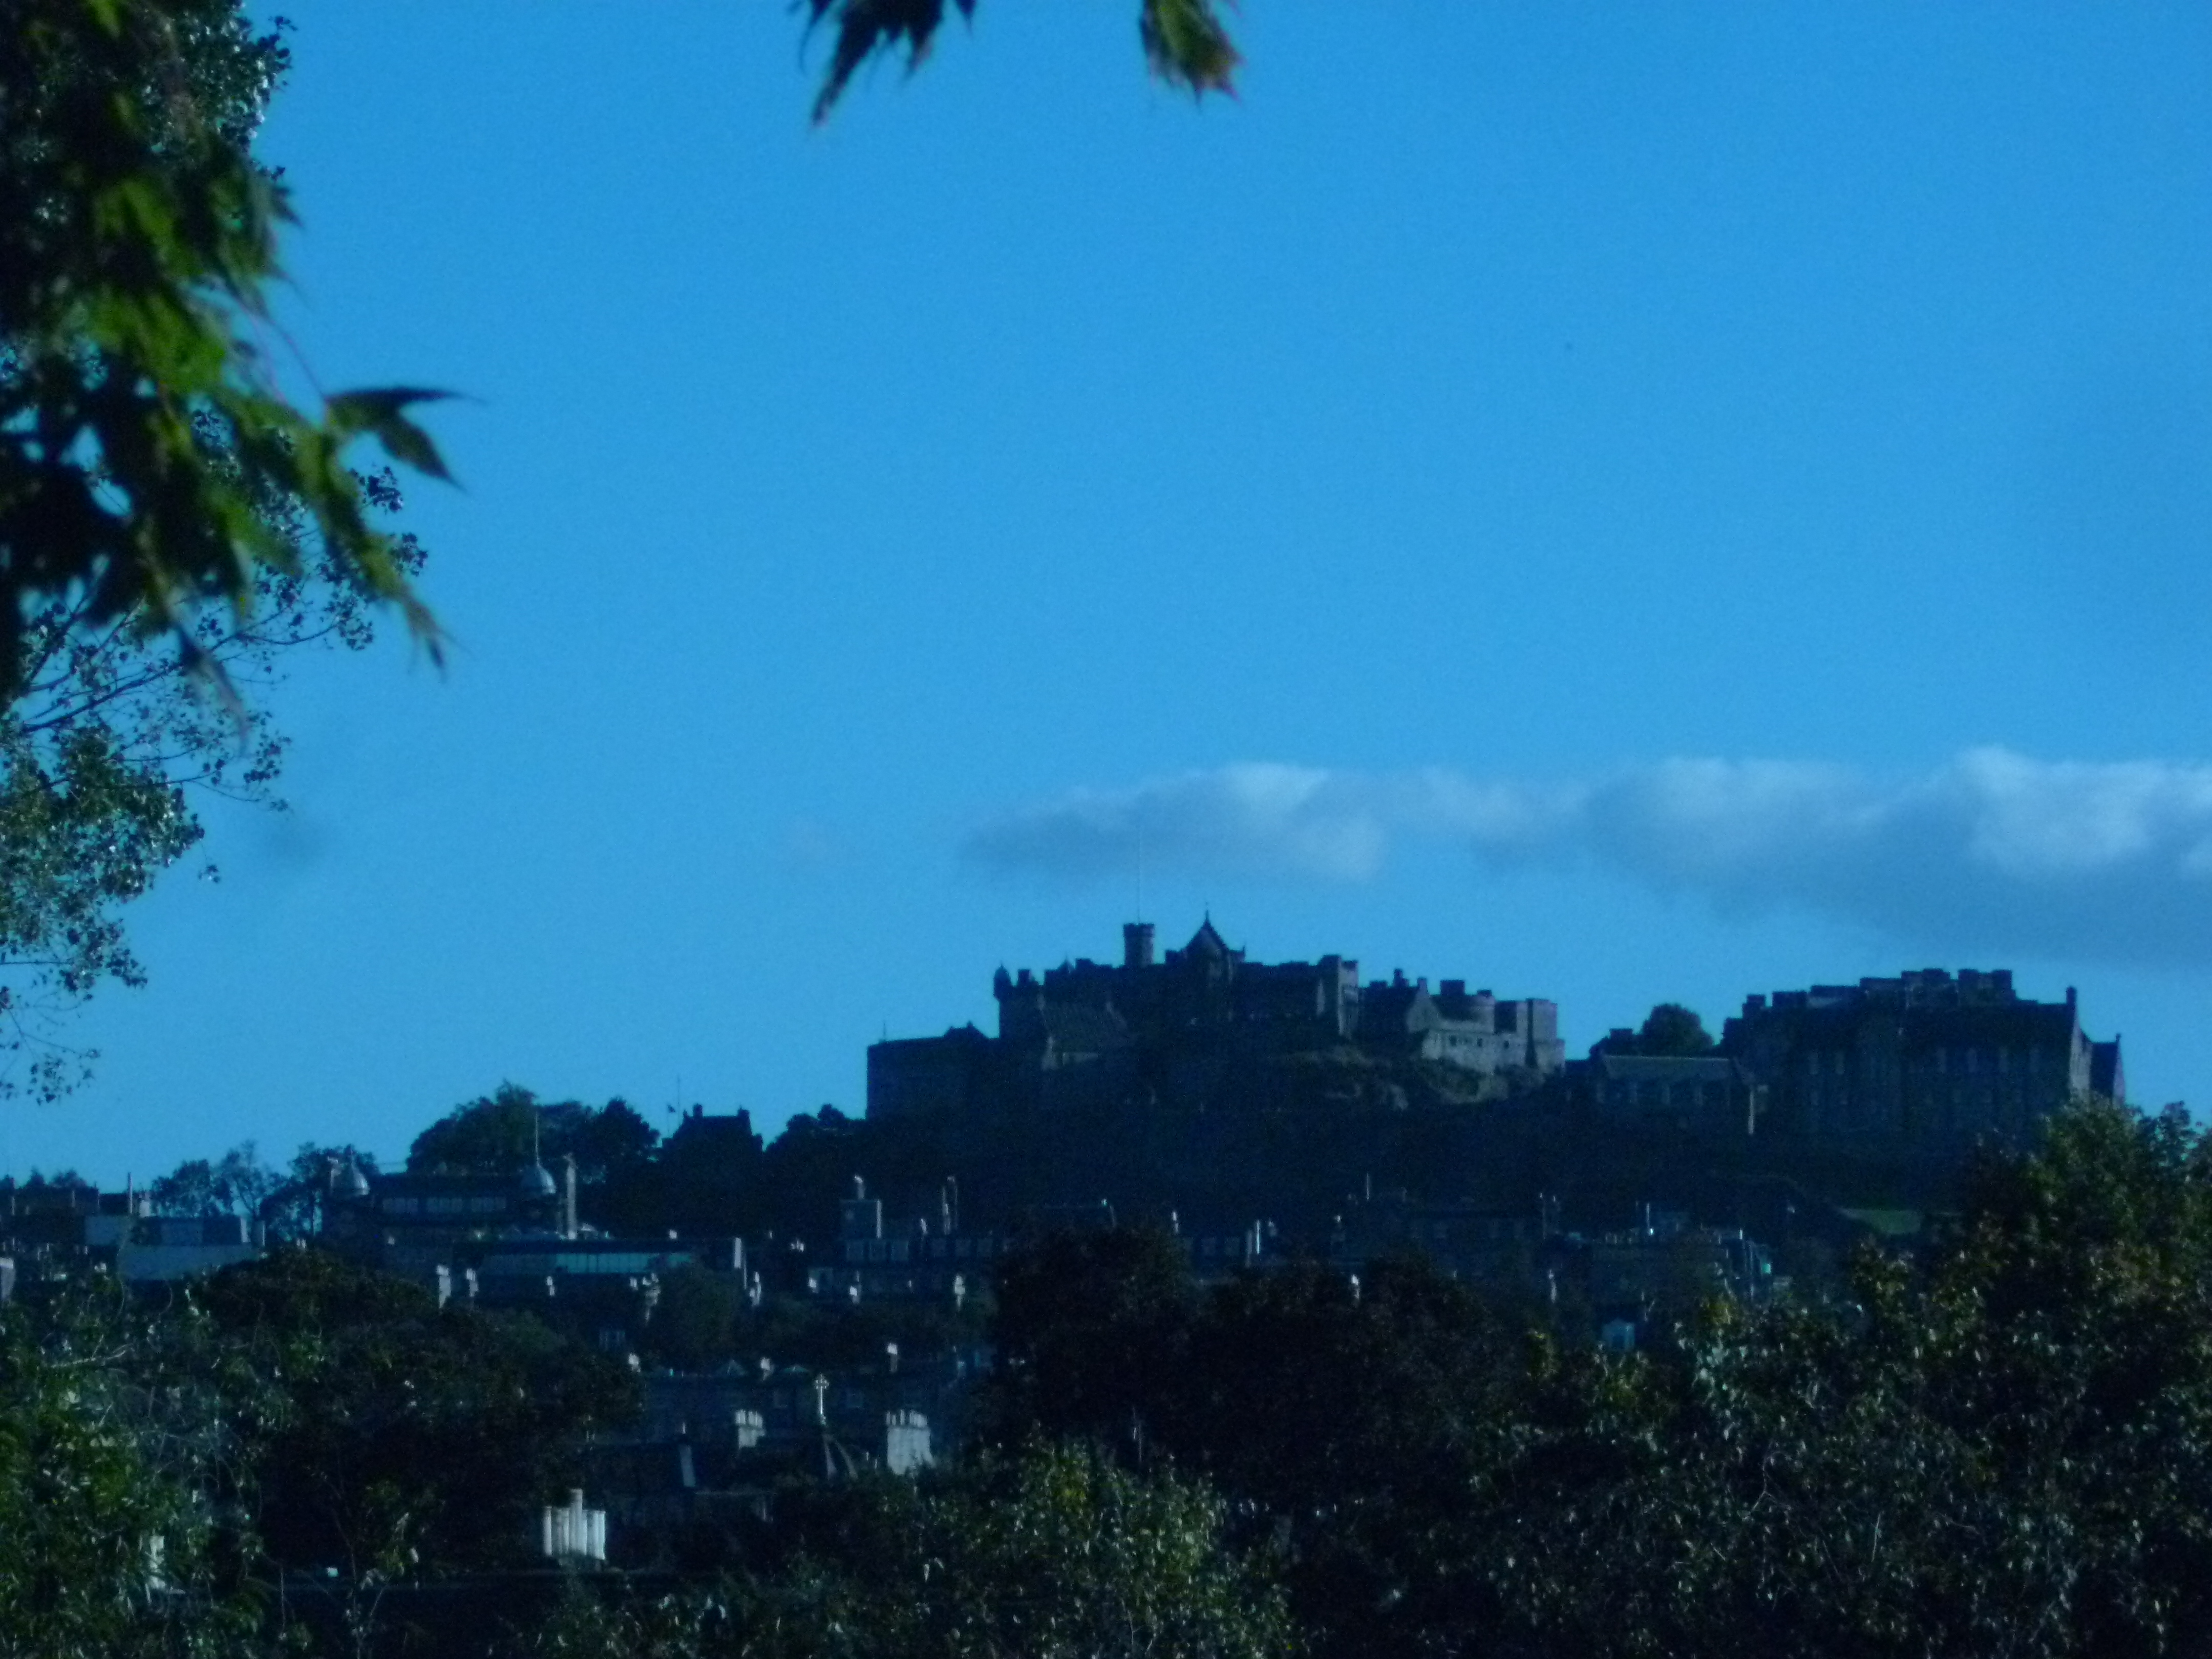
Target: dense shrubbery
{"points": [[2001, 1448], [1053, 1552], [162, 1469]]}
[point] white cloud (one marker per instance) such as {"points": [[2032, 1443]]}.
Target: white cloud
{"points": [[1993, 849], [1253, 818]]}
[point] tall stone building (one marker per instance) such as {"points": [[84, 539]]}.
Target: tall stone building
{"points": [[1921, 1059], [1098, 1030]]}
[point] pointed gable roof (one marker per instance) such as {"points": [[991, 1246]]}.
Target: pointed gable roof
{"points": [[1206, 943]]}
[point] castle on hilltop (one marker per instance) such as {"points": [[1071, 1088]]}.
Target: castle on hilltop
{"points": [[1097, 1031], [1928, 1060], [1924, 1057]]}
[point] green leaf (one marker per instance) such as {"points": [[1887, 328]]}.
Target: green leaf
{"points": [[380, 412]]}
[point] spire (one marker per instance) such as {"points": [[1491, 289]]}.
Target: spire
{"points": [[536, 1181]]}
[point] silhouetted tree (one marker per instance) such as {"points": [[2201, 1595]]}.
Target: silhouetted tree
{"points": [[1671, 1028], [378, 1431]]}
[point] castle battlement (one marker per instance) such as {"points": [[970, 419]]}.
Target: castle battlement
{"points": [[1109, 1029]]}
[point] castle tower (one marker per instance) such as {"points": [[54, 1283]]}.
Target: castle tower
{"points": [[1137, 944]]}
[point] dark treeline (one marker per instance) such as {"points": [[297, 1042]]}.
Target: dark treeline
{"points": [[1295, 1162], [1999, 1446]]}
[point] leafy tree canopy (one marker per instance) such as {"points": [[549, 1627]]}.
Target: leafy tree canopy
{"points": [[1998, 1447], [1053, 1552], [1668, 1030], [237, 1183], [498, 1132], [108, 1541], [383, 1432], [143, 433], [170, 527], [1358, 1419], [1671, 1028]]}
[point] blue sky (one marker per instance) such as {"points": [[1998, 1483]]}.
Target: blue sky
{"points": [[1613, 502]]}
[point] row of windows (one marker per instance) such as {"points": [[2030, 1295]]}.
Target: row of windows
{"points": [[1840, 1095], [1678, 1095], [1949, 1108], [1836, 1061], [445, 1204]]}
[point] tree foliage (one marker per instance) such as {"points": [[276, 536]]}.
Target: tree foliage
{"points": [[1669, 1030], [108, 1543], [1359, 1420], [237, 1183], [143, 431], [498, 1133], [386, 1435], [1998, 1447], [171, 528], [83, 830], [1052, 1554], [1184, 42]]}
